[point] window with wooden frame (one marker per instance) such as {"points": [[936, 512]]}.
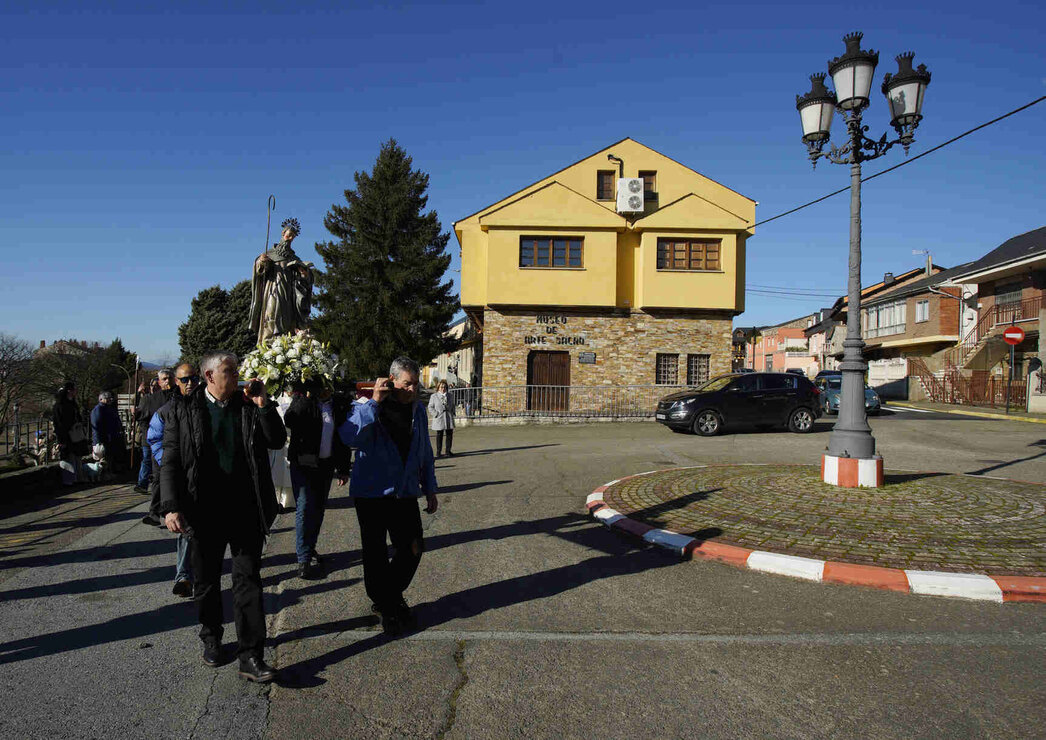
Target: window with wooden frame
{"points": [[697, 369], [688, 254], [605, 181], [666, 369], [649, 184], [551, 251]]}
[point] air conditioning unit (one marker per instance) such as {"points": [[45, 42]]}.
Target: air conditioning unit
{"points": [[630, 195]]}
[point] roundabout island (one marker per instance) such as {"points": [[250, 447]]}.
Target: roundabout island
{"points": [[921, 532]]}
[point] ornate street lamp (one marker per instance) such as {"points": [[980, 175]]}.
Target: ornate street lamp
{"points": [[850, 459]]}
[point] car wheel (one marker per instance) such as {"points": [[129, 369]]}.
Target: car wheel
{"points": [[708, 424], [801, 421]]}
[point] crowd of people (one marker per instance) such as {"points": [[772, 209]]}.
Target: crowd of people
{"points": [[207, 443]]}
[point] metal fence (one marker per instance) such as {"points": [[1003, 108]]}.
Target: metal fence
{"points": [[573, 401], [34, 438]]}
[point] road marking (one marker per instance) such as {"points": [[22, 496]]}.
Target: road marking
{"points": [[902, 410]]}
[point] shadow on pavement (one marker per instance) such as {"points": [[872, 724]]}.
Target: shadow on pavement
{"points": [[468, 453], [889, 478], [90, 585], [991, 468], [621, 559], [86, 523]]}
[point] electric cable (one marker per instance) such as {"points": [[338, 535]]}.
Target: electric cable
{"points": [[902, 164]]}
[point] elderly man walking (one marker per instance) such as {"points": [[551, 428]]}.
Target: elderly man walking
{"points": [[394, 467], [215, 485]]}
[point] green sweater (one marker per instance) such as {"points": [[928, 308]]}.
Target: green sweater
{"points": [[227, 439]]}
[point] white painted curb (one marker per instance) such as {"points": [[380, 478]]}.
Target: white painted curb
{"points": [[787, 565], [961, 585], [608, 516]]}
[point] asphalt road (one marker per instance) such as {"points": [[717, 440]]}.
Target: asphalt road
{"points": [[536, 621]]}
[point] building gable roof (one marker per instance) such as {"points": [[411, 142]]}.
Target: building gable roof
{"points": [[553, 205], [691, 212], [597, 153]]}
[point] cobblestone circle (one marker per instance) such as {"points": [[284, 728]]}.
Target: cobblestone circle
{"points": [[919, 521]]}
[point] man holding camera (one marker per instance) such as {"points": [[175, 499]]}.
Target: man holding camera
{"points": [[394, 467], [216, 486]]}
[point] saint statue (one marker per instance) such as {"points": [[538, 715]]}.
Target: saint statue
{"points": [[281, 288]]}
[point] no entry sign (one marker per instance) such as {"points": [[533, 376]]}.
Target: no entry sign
{"points": [[1013, 335]]}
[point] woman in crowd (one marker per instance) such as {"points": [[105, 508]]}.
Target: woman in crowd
{"points": [[70, 431], [441, 408], [107, 430]]}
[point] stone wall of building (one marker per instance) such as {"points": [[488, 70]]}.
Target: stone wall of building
{"points": [[625, 345]]}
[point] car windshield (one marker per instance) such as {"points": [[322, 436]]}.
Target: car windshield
{"points": [[716, 384]]}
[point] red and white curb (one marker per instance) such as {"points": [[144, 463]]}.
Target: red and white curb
{"points": [[852, 472], [999, 589]]}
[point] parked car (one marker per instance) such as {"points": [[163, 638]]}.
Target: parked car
{"points": [[796, 371], [828, 374], [832, 385], [741, 399], [744, 370]]}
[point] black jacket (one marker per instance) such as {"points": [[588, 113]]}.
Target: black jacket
{"points": [[305, 423], [149, 405], [65, 414], [186, 431]]}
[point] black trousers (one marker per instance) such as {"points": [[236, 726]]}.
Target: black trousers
{"points": [[439, 441], [400, 520], [244, 541]]}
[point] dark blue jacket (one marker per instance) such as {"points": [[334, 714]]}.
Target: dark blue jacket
{"points": [[379, 470], [106, 426]]}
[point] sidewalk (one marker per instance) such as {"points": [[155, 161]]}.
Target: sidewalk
{"points": [[986, 412]]}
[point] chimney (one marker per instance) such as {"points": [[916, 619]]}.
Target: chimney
{"points": [[888, 278], [929, 265]]}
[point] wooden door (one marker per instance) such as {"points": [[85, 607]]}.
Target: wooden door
{"points": [[548, 381]]}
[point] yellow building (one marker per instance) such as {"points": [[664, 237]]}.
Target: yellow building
{"points": [[624, 268]]}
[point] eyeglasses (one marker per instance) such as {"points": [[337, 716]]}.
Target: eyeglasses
{"points": [[189, 379]]}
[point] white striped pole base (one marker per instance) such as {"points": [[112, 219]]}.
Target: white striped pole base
{"points": [[852, 472]]}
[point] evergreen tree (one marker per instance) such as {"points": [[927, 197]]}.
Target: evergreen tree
{"points": [[382, 294], [218, 320]]}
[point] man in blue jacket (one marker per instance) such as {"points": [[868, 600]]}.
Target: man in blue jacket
{"points": [[394, 467]]}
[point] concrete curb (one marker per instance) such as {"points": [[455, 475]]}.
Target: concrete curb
{"points": [[982, 414], [1000, 589]]}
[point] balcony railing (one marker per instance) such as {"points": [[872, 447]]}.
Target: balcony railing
{"points": [[1001, 314]]}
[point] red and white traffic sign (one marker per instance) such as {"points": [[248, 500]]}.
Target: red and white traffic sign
{"points": [[1013, 335]]}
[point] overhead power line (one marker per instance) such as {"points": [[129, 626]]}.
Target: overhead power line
{"points": [[902, 164]]}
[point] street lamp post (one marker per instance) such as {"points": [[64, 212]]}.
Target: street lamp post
{"points": [[850, 459]]}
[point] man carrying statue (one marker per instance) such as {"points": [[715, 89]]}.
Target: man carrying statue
{"points": [[281, 288]]}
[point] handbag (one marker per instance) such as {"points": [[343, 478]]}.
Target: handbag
{"points": [[78, 433]]}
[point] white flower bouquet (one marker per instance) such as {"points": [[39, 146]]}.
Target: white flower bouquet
{"points": [[290, 358]]}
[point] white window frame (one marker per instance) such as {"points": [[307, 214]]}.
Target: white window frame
{"points": [[922, 311]]}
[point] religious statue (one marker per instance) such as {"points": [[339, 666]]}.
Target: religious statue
{"points": [[281, 288]]}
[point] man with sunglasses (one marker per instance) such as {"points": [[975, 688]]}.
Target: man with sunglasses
{"points": [[187, 382]]}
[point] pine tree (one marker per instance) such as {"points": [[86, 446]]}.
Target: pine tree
{"points": [[218, 320], [382, 294]]}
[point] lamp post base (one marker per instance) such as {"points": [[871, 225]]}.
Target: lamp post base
{"points": [[852, 472]]}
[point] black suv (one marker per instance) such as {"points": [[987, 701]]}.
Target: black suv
{"points": [[737, 400]]}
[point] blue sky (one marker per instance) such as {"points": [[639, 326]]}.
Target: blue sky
{"points": [[142, 140]]}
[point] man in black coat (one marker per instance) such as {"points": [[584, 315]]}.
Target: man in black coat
{"points": [[143, 414], [316, 454], [216, 486]]}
